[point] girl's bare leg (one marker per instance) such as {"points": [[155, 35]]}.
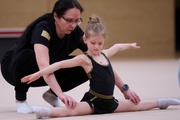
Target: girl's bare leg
{"points": [[128, 106], [82, 108]]}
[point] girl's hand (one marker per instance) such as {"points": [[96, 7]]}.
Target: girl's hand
{"points": [[134, 46], [131, 95], [68, 101], [30, 78]]}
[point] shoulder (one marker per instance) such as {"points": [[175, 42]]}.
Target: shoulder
{"points": [[85, 62], [78, 31], [104, 52], [83, 59], [44, 28], [45, 24]]}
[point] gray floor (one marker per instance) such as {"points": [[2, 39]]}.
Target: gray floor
{"points": [[151, 79]]}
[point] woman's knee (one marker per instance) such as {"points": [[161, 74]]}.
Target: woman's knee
{"points": [[24, 64], [26, 54]]}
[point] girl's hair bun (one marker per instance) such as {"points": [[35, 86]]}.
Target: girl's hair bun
{"points": [[94, 19]]}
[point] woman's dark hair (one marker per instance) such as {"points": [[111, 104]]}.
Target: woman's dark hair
{"points": [[60, 7]]}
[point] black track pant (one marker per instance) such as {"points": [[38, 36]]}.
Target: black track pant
{"points": [[16, 66]]}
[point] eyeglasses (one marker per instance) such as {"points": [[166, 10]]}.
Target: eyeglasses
{"points": [[78, 22]]}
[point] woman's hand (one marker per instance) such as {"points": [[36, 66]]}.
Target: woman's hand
{"points": [[30, 78], [68, 101], [131, 95]]}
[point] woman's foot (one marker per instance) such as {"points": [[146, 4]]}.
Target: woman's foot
{"points": [[49, 97], [22, 107]]}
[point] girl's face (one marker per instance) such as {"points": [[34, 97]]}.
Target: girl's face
{"points": [[66, 23], [95, 44]]}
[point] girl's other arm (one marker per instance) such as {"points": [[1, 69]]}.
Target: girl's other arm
{"points": [[128, 94], [120, 47]]}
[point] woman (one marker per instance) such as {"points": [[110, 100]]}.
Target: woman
{"points": [[49, 39], [99, 99]]}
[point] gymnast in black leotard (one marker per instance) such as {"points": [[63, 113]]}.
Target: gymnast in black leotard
{"points": [[102, 81]]}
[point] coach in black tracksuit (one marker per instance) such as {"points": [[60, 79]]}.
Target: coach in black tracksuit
{"points": [[50, 38]]}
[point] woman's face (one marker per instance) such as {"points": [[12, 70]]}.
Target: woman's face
{"points": [[66, 23]]}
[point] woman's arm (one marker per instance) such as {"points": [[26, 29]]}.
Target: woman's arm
{"points": [[119, 47], [42, 58]]}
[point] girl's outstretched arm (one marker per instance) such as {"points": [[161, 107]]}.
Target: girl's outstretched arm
{"points": [[76, 61], [120, 47]]}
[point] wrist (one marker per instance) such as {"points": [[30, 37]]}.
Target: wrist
{"points": [[125, 87]]}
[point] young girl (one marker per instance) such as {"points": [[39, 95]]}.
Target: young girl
{"points": [[99, 99]]}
